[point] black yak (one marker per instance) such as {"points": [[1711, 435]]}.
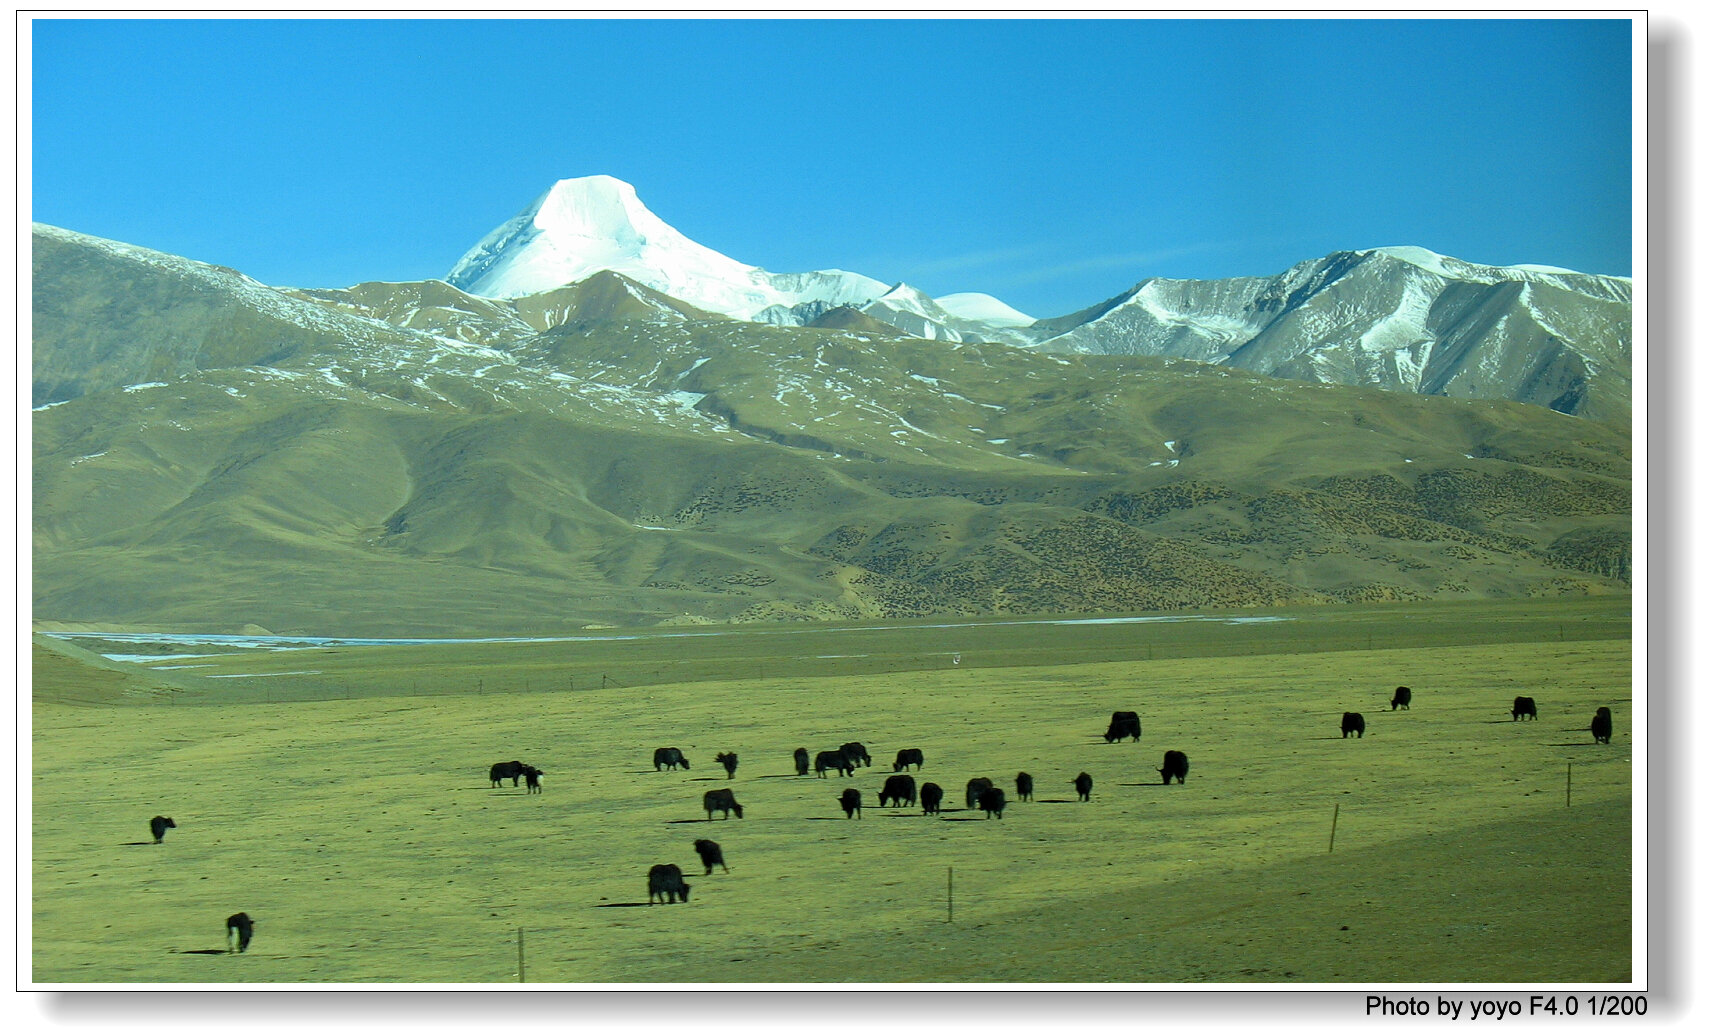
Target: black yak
{"points": [[1602, 726], [856, 752], [833, 761], [851, 800], [241, 927], [532, 780], [1523, 708], [801, 757], [670, 758], [729, 761], [993, 802], [499, 771], [972, 791], [931, 795], [1123, 724], [1401, 698], [900, 788], [1025, 787], [723, 801], [666, 882], [1084, 787], [1353, 723], [907, 757], [158, 826], [710, 853], [1176, 765]]}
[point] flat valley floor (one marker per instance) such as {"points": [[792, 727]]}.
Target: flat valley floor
{"points": [[364, 838]]}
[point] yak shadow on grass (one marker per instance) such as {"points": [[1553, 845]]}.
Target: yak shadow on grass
{"points": [[695, 821], [201, 952], [137, 842], [623, 905]]}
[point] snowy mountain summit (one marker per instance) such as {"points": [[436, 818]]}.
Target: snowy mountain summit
{"points": [[582, 226]]}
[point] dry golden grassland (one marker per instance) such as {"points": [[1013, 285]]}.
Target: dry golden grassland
{"points": [[363, 837]]}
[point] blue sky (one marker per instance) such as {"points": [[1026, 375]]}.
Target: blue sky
{"points": [[1052, 163]]}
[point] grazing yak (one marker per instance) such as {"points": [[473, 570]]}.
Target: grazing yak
{"points": [[993, 802], [241, 927], [158, 826], [1523, 708], [801, 758], [900, 788], [851, 800], [722, 800], [532, 780], [1353, 723], [907, 757], [1176, 765], [1084, 786], [972, 791], [1123, 724], [833, 761], [931, 795], [856, 753], [1401, 698], [729, 761], [1025, 787], [666, 882], [1602, 726], [710, 853], [670, 758], [499, 771]]}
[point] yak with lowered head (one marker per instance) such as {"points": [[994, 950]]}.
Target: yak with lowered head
{"points": [[900, 788], [851, 800], [993, 802], [800, 757], [723, 801], [972, 791], [856, 752], [729, 761], [1123, 724], [1401, 698], [499, 771], [931, 795], [1354, 723], [1176, 765], [670, 759], [1523, 708], [666, 882], [710, 853], [158, 827], [907, 757], [824, 761], [1084, 786]]}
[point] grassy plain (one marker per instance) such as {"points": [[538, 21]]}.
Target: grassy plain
{"points": [[363, 837]]}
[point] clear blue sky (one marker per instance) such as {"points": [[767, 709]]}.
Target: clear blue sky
{"points": [[1051, 163]]}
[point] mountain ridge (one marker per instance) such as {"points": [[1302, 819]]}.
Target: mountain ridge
{"points": [[1399, 317], [603, 453]]}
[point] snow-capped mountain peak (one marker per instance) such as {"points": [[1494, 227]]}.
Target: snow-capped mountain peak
{"points": [[594, 223]]}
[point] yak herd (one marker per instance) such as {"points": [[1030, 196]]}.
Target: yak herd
{"points": [[666, 883], [666, 880]]}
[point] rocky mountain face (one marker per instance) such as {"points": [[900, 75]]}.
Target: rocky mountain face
{"points": [[1397, 318], [409, 458]]}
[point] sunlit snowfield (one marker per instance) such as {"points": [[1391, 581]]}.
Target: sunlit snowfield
{"points": [[363, 836]]}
